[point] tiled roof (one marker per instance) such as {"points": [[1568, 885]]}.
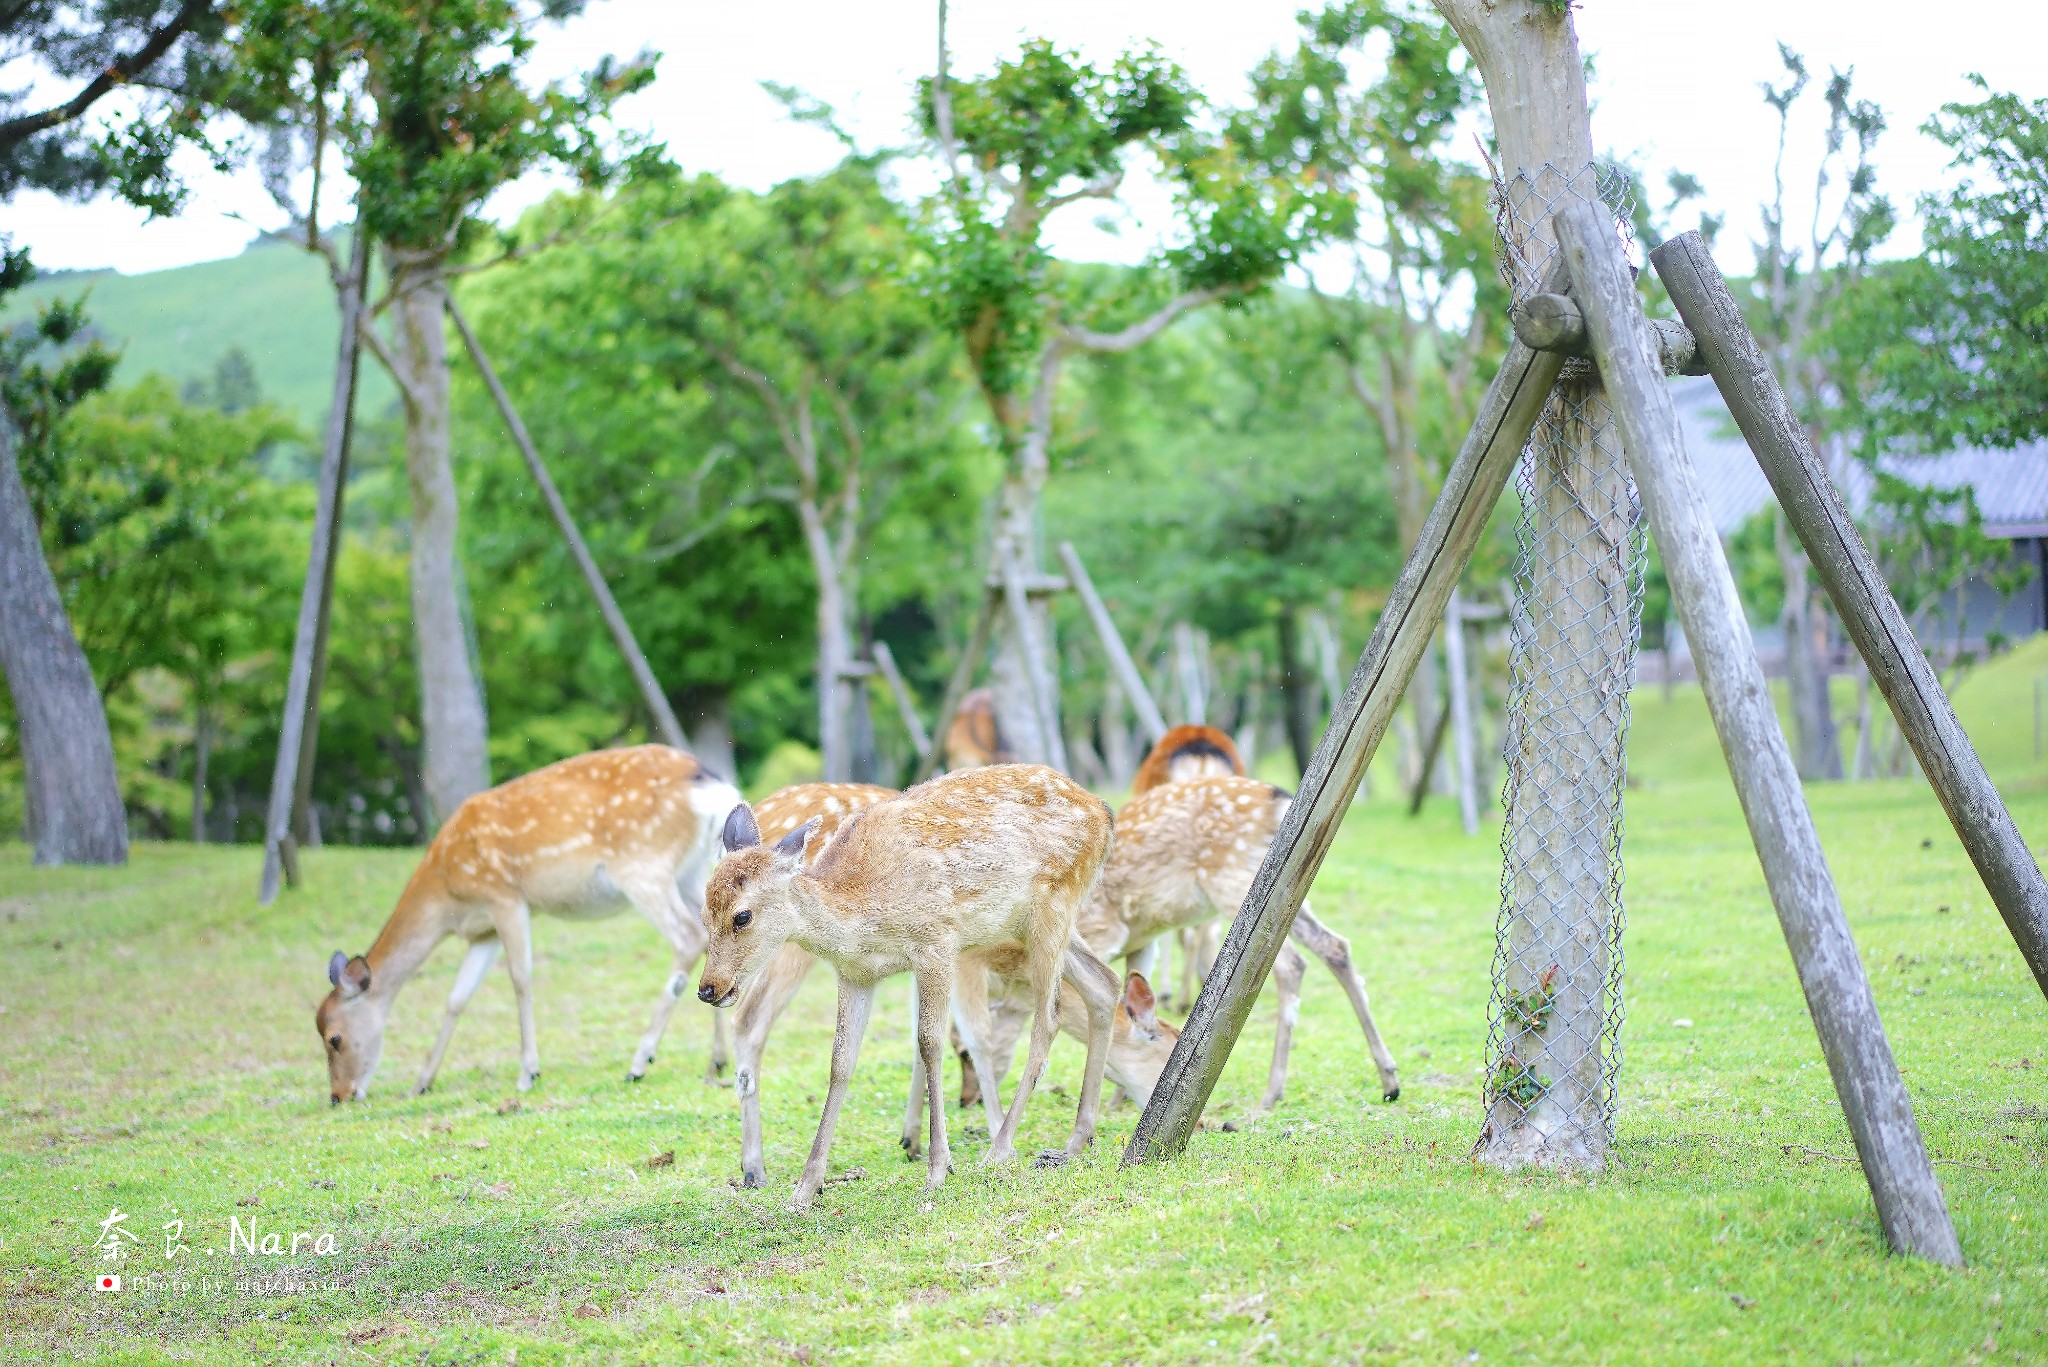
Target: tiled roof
{"points": [[2011, 486]]}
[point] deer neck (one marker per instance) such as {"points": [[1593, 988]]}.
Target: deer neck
{"points": [[834, 932], [416, 927]]}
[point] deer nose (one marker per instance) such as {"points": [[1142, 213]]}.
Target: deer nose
{"points": [[708, 994], [334, 1099]]}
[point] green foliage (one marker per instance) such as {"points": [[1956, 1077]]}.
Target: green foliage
{"points": [[1930, 542], [425, 98], [1517, 1081], [1531, 1009], [1952, 346], [171, 57], [625, 351], [1049, 129]]}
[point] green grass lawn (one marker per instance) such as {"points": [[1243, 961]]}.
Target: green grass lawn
{"points": [[156, 1054]]}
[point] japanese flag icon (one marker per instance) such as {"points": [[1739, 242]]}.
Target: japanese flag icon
{"points": [[107, 1281]]}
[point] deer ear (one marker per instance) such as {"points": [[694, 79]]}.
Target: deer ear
{"points": [[741, 830], [1139, 1002], [791, 846], [352, 976]]}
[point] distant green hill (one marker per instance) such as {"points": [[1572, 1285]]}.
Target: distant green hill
{"points": [[273, 301]]}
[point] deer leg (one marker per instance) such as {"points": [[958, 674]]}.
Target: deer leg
{"points": [[1044, 968], [475, 965], [912, 1137], [934, 977], [1091, 978], [1287, 974], [515, 928], [1335, 951], [758, 1011], [971, 1019], [855, 1002]]}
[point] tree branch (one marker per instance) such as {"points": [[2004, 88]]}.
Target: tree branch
{"points": [[15, 130], [1139, 333]]}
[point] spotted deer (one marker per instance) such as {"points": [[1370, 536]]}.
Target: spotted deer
{"points": [[1139, 1042], [1183, 753], [1187, 852], [579, 839], [974, 861]]}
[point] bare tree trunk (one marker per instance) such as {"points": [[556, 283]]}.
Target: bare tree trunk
{"points": [[1016, 543], [75, 812], [1866, 754], [1297, 689], [452, 725], [202, 751], [1464, 743], [710, 731], [1817, 747], [1118, 761], [837, 695]]}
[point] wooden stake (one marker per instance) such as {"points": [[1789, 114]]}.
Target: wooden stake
{"points": [[906, 706], [1857, 586], [1464, 751], [298, 737], [1113, 646], [664, 717], [957, 686], [1880, 1113], [1357, 722]]}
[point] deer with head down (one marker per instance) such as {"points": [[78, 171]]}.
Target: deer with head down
{"points": [[582, 838], [1139, 1043], [980, 860], [1183, 753], [1186, 853]]}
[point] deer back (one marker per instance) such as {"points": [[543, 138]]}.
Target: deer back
{"points": [[1184, 753], [1184, 852], [975, 853]]}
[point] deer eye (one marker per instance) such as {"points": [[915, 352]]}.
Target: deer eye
{"points": [[334, 1043], [743, 920]]}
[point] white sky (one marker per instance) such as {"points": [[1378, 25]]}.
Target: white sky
{"points": [[1674, 84]]}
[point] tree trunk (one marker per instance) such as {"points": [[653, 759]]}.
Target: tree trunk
{"points": [[73, 794], [1118, 759], [1816, 745], [1297, 689], [1559, 907], [837, 695], [452, 726], [202, 751], [710, 730], [1464, 743], [1016, 542]]}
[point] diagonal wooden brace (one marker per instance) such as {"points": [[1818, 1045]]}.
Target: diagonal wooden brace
{"points": [[1359, 720], [1909, 1198], [1899, 667]]}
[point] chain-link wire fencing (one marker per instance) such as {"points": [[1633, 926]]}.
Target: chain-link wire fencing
{"points": [[1554, 1021]]}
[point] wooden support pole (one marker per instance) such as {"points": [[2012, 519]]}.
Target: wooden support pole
{"points": [[657, 704], [1909, 1199], [1120, 659], [957, 686], [906, 706], [1551, 322], [1357, 722], [298, 738], [1464, 750], [1857, 587], [1035, 663]]}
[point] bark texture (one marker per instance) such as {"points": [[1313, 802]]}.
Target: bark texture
{"points": [[75, 812], [452, 724], [1529, 58]]}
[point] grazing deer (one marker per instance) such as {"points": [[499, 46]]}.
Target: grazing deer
{"points": [[978, 860], [1187, 852], [1139, 1043], [1183, 753], [581, 838]]}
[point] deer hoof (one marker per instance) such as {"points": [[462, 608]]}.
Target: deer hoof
{"points": [[1394, 1093]]}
